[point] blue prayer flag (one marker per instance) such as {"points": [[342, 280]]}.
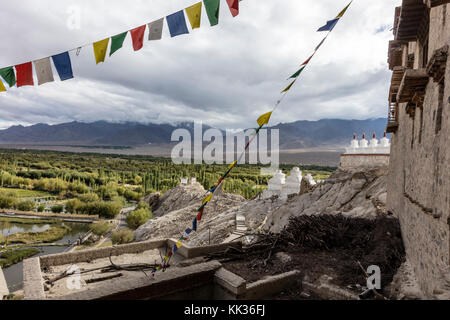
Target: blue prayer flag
{"points": [[188, 231], [194, 224], [63, 66], [177, 24], [330, 25]]}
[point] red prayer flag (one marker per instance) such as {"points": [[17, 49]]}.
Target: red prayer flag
{"points": [[137, 35], [24, 74], [307, 61], [199, 215], [234, 7]]}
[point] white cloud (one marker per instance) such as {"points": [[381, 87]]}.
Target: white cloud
{"points": [[226, 75]]}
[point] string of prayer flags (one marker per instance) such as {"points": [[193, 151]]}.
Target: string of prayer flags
{"points": [[234, 7], [231, 166], [9, 75], [295, 75], [63, 65], [194, 14], [320, 44], [137, 35], [2, 87], [329, 26], [24, 74], [289, 87], [117, 42], [210, 6], [207, 199], [212, 10], [44, 71], [177, 24], [155, 29], [264, 119], [341, 14], [100, 48], [200, 214]]}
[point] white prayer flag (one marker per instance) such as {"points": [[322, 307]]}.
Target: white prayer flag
{"points": [[155, 29], [43, 71]]}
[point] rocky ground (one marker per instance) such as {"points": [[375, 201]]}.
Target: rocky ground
{"points": [[178, 207], [353, 195]]}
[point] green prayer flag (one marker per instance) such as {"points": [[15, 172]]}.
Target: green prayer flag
{"points": [[295, 75], [8, 75], [212, 9], [117, 42]]}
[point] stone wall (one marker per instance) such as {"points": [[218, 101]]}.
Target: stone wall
{"points": [[349, 161], [419, 174]]}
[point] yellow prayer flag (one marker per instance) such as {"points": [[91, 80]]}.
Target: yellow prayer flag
{"points": [[194, 14], [2, 86], [208, 198], [178, 244], [264, 119], [100, 48], [166, 258], [289, 86], [232, 165], [341, 14]]}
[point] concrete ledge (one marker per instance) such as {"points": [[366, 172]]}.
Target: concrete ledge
{"points": [[164, 284], [193, 252], [230, 282], [33, 283], [98, 253], [3, 286], [271, 285]]}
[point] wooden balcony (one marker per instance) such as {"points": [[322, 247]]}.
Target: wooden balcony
{"points": [[395, 54], [413, 21], [412, 87], [397, 76], [392, 124], [437, 64], [435, 3]]}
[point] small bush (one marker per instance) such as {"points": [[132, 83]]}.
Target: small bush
{"points": [[138, 217], [73, 205], [57, 208], [41, 208], [143, 205], [100, 228], [88, 197], [7, 202], [27, 205], [122, 236]]}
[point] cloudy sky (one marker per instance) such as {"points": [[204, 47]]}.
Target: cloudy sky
{"points": [[226, 75]]}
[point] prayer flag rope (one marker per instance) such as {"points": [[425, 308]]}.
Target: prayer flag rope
{"points": [[23, 75], [262, 121]]}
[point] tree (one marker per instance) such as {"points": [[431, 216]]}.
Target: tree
{"points": [[122, 236], [100, 228], [138, 217], [58, 208], [27, 205]]}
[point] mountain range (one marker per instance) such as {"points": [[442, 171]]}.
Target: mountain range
{"points": [[294, 135]]}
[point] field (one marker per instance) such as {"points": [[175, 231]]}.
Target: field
{"points": [[22, 193], [102, 184]]}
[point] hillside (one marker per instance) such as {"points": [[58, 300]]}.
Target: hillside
{"points": [[295, 135]]}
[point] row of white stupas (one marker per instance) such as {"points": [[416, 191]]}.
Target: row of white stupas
{"points": [[281, 186], [383, 146]]}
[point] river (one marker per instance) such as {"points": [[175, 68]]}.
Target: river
{"points": [[13, 274]]}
